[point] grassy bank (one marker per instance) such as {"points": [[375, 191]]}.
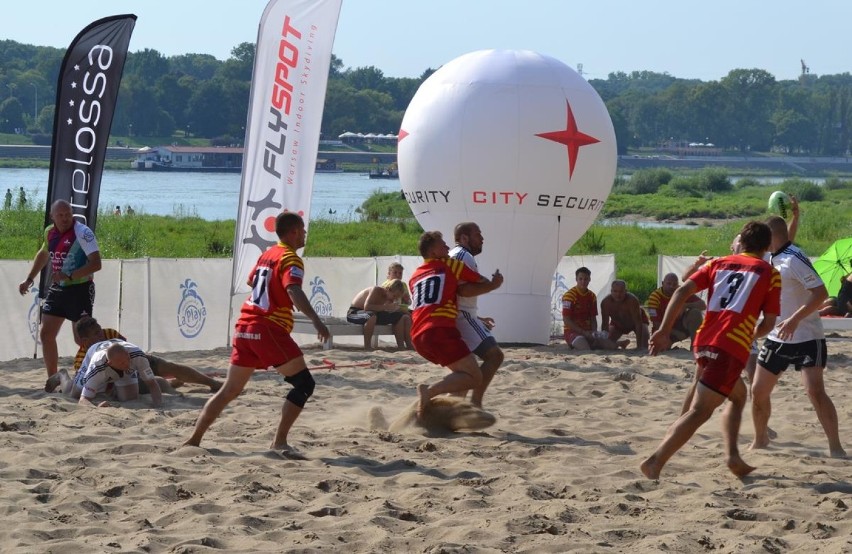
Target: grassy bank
{"points": [[387, 228]]}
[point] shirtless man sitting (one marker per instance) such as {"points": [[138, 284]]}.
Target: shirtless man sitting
{"points": [[622, 313], [381, 306]]}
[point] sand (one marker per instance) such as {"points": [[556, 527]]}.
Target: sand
{"points": [[558, 471]]}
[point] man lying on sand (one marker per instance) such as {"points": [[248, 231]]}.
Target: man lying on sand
{"points": [[114, 362]]}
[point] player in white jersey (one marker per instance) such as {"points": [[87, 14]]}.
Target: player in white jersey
{"points": [[475, 330], [115, 362], [797, 339]]}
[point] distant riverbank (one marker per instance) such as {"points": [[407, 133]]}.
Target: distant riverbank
{"points": [[32, 156]]}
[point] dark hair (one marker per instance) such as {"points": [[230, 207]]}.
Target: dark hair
{"points": [[427, 240], [778, 226], [87, 326], [756, 237], [583, 269], [463, 228], [286, 222]]}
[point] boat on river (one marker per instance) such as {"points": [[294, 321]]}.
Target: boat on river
{"points": [[189, 158], [328, 165], [389, 172]]}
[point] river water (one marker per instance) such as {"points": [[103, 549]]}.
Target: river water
{"points": [[214, 196], [210, 196]]}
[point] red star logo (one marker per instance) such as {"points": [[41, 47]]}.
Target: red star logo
{"points": [[570, 137]]}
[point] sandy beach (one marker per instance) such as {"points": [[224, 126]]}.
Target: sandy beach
{"points": [[557, 472]]}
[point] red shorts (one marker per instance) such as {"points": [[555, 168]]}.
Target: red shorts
{"points": [[719, 370], [441, 345], [262, 346], [570, 336]]}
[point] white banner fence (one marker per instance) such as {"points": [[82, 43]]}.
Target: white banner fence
{"points": [[167, 305]]}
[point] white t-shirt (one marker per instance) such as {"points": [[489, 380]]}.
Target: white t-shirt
{"points": [[798, 276], [95, 373], [465, 303]]}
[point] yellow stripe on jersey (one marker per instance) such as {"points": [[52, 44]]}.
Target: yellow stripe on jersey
{"points": [[775, 282], [743, 333], [290, 258], [448, 310], [283, 317], [456, 266]]}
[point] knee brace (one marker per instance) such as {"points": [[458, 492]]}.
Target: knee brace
{"points": [[303, 387]]}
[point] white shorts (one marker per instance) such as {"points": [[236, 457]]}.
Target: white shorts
{"points": [[473, 331]]}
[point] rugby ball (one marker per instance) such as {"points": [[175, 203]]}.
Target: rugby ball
{"points": [[779, 203]]}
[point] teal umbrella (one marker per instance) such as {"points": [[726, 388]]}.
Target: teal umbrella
{"points": [[835, 264]]}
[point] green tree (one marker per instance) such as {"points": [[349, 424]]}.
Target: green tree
{"points": [[44, 122], [364, 78], [11, 115], [754, 90], [335, 68], [198, 66], [148, 65], [172, 93], [792, 131], [620, 125], [239, 66], [205, 109]]}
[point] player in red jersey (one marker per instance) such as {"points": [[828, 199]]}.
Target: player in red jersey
{"points": [[434, 286], [262, 333], [580, 316], [740, 287], [688, 321]]}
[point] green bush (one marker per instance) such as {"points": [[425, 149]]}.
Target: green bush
{"points": [[805, 191], [746, 182], [835, 183], [385, 205], [682, 186], [714, 180], [647, 181]]}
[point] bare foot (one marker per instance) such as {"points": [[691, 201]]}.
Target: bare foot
{"points": [[650, 469], [175, 383], [738, 467], [423, 393], [838, 453], [190, 442], [759, 444], [623, 343], [52, 382], [288, 452], [216, 386]]}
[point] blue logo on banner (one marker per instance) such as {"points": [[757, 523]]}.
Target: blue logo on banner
{"points": [[191, 312], [320, 300], [32, 316], [559, 288]]}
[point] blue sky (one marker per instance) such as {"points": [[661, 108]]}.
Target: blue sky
{"points": [[689, 39]]}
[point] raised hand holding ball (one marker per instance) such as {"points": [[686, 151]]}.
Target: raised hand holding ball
{"points": [[779, 202]]}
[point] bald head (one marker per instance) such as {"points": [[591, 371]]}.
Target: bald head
{"points": [[62, 215], [118, 357], [670, 284]]}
